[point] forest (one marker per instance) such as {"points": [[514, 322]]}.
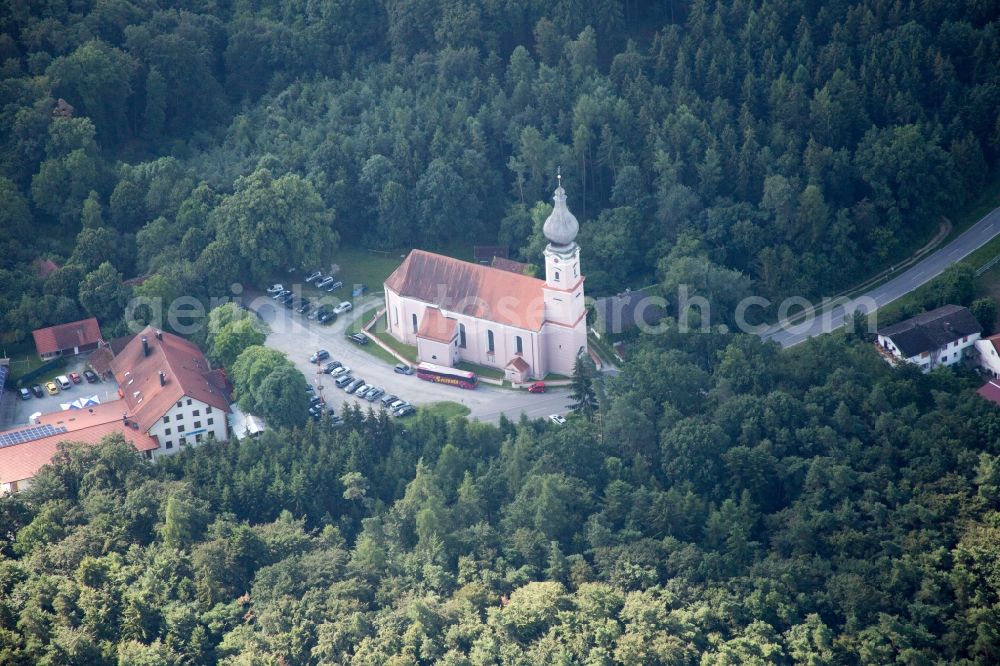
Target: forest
{"points": [[725, 502], [786, 146], [733, 504]]}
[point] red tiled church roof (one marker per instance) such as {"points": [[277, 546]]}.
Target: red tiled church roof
{"points": [[67, 336], [471, 289], [186, 373], [435, 326]]}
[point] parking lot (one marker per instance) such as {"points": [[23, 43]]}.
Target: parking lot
{"points": [[299, 337], [21, 410]]}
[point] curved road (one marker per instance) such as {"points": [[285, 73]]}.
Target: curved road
{"points": [[983, 231]]}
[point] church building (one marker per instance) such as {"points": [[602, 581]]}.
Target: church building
{"points": [[453, 310]]}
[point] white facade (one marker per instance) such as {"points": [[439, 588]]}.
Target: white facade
{"points": [[989, 359], [947, 355], [189, 422]]}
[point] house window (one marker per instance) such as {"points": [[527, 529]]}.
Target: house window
{"points": [[167, 431], [197, 424], [395, 316], [211, 421], [166, 419], [169, 444], [196, 413], [208, 410], [461, 335], [183, 441], [557, 276], [413, 318], [197, 438], [189, 402], [180, 428], [965, 339], [518, 344], [489, 342], [179, 403]]}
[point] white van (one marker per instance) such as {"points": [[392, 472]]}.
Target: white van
{"points": [[64, 383]]}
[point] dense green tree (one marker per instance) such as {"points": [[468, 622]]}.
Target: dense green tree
{"points": [[102, 293]]}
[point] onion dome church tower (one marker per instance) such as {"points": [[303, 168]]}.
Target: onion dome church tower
{"points": [[564, 302]]}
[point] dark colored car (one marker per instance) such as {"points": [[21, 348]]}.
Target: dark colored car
{"points": [[38, 391], [331, 366], [403, 369], [91, 377], [537, 387], [320, 355], [405, 410], [315, 400], [360, 338], [327, 318], [336, 285]]}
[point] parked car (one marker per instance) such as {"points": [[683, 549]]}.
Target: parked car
{"points": [[25, 394], [343, 381], [341, 371], [75, 378], [280, 295], [91, 376], [359, 338], [537, 387], [361, 390], [333, 286], [309, 388], [344, 306], [287, 298], [64, 383], [52, 388], [303, 307], [403, 369], [315, 400], [319, 355], [315, 276], [327, 317], [38, 391], [331, 366], [324, 282], [317, 312], [374, 394], [275, 288], [557, 419], [393, 406], [353, 386], [405, 410], [389, 397]]}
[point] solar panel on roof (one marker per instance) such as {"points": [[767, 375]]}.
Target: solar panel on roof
{"points": [[29, 434]]}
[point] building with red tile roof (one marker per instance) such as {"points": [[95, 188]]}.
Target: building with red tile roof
{"points": [[454, 310], [67, 339], [170, 390], [36, 447], [990, 391]]}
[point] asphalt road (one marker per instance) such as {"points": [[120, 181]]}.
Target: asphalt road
{"points": [[983, 231], [299, 337]]}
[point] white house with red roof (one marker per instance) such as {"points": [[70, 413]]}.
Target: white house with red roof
{"points": [[169, 390], [454, 311], [989, 354]]}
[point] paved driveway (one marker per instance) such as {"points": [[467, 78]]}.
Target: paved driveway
{"points": [[299, 337]]}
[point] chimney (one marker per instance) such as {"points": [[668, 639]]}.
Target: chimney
{"points": [[159, 334], [125, 418], [163, 378], [145, 346]]}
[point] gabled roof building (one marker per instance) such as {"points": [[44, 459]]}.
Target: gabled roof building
{"points": [[931, 339], [67, 339], [527, 327]]}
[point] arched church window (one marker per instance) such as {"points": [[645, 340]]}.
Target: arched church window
{"points": [[557, 276], [489, 342], [414, 319], [461, 335], [518, 344]]}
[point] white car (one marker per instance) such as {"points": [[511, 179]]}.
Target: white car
{"points": [[393, 406], [325, 281], [342, 370], [342, 308], [314, 276], [274, 289], [557, 419]]}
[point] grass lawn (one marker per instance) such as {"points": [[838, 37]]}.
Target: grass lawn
{"points": [[446, 409], [481, 370], [23, 359]]}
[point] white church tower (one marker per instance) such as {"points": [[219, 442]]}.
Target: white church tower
{"points": [[565, 331]]}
